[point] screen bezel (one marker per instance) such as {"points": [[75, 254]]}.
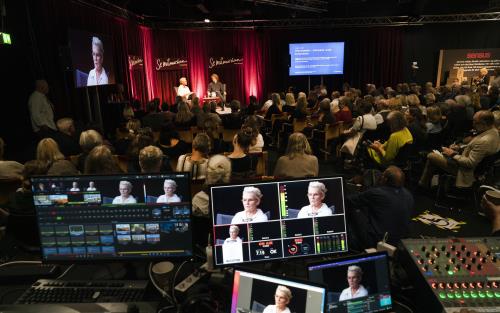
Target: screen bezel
{"points": [[303, 257], [354, 257], [312, 43], [116, 260], [276, 276]]}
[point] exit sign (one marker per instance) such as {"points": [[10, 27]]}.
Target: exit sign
{"points": [[5, 39]]}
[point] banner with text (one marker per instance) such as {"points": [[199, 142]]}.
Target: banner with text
{"points": [[470, 60], [171, 64], [135, 62], [217, 62]]}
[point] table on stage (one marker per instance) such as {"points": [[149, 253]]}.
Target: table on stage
{"points": [[210, 99]]}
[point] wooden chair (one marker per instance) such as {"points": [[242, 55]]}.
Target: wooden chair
{"points": [[228, 134], [261, 169], [323, 137]]}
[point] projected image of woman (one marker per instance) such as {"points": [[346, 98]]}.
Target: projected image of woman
{"points": [[169, 186], [234, 231], [282, 297], [251, 213], [355, 289], [125, 196], [97, 75], [316, 193]]}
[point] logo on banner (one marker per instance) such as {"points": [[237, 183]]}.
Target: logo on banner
{"points": [[223, 61], [135, 62], [170, 64]]}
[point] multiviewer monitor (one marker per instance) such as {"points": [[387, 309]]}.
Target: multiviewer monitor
{"points": [[355, 284], [254, 292], [278, 219], [113, 217]]}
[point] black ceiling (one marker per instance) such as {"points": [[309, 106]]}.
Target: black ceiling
{"points": [[195, 10]]}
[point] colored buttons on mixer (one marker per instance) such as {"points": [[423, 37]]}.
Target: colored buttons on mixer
{"points": [[442, 295], [490, 294], [466, 295], [473, 294], [481, 294]]}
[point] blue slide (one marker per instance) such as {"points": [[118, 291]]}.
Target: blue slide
{"points": [[322, 58]]}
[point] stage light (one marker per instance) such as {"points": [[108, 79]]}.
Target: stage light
{"points": [[5, 39], [206, 20]]}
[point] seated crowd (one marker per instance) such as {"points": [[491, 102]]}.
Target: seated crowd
{"points": [[449, 129]]}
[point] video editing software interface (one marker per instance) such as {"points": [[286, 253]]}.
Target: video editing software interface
{"points": [[113, 217], [355, 284], [278, 219], [256, 293]]}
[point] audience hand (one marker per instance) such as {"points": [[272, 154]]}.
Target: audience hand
{"points": [[493, 212], [448, 152], [376, 145]]}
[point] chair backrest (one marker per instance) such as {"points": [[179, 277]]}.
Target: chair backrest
{"points": [[486, 163], [261, 169], [176, 90], [228, 134], [403, 155]]}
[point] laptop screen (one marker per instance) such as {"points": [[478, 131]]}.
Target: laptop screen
{"points": [[257, 293], [355, 284]]}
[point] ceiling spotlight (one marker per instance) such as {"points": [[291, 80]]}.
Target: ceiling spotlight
{"points": [[206, 20]]}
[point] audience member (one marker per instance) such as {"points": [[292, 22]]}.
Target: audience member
{"points": [[48, 151], [218, 172], [100, 160], [65, 137], [196, 161], [298, 160], [417, 127], [234, 119], [241, 162], [184, 119], [462, 161], [434, 118], [153, 118], [254, 123], [171, 144], [88, 140], [150, 159], [9, 168], [386, 208]]}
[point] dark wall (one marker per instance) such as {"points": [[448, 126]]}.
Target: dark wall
{"points": [[422, 44]]}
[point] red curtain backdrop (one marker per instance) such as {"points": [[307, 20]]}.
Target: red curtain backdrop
{"points": [[197, 58], [147, 42]]}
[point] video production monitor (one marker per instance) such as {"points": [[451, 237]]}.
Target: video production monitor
{"points": [[278, 219], [113, 217], [257, 293], [355, 284]]}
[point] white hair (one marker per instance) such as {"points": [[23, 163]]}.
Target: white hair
{"points": [[356, 269], [286, 291], [234, 227], [182, 78], [169, 182], [251, 189], [98, 43], [218, 170], [317, 185], [126, 183]]}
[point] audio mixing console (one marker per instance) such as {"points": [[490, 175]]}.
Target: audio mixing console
{"points": [[456, 273]]}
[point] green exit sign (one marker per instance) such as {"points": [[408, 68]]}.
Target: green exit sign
{"points": [[5, 39]]}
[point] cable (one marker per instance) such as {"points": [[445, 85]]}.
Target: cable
{"points": [[163, 293], [175, 278], [66, 271], [20, 262]]}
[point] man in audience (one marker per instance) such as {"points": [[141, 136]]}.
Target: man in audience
{"points": [[462, 163], [65, 137], [41, 110], [150, 159], [379, 210]]}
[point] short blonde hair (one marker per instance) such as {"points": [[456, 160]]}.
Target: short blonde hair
{"points": [[150, 158], [98, 43], [90, 139], [48, 151], [126, 183], [483, 71], [318, 185], [218, 170], [355, 269], [170, 182], [285, 290], [412, 100], [290, 99], [251, 189], [235, 228]]}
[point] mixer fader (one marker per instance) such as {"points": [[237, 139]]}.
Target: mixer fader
{"points": [[459, 272]]}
